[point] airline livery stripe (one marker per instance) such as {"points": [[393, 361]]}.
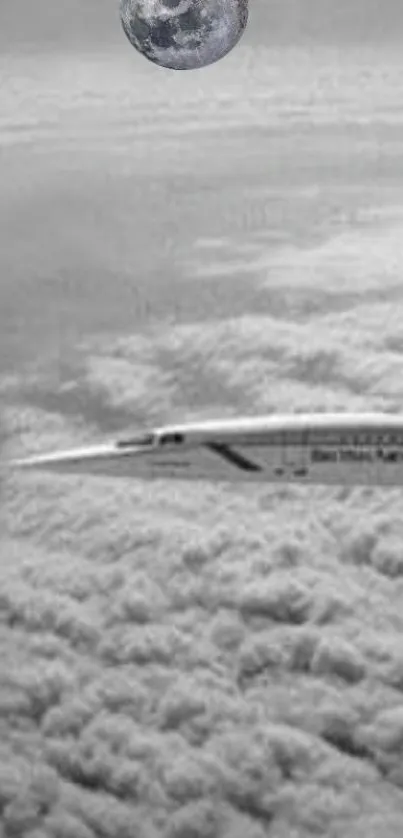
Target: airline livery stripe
{"points": [[233, 457]]}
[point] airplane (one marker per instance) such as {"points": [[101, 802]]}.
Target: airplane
{"points": [[318, 448]]}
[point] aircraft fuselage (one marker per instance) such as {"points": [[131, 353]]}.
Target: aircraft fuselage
{"points": [[338, 449]]}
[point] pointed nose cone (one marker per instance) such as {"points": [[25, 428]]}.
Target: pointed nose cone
{"points": [[107, 459], [48, 462], [72, 461]]}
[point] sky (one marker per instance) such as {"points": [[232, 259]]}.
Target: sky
{"points": [[94, 24], [205, 661]]}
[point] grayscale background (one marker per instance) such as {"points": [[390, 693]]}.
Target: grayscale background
{"points": [[198, 662]]}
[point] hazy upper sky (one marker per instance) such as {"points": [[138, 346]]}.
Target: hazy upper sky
{"points": [[53, 25]]}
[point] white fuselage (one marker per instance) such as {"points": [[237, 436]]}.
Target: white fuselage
{"points": [[323, 448], [341, 448]]}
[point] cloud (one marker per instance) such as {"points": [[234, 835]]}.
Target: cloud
{"points": [[162, 709], [328, 349], [210, 661]]}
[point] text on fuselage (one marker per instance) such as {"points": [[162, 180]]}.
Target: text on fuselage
{"points": [[356, 455]]}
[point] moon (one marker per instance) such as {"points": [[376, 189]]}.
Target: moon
{"points": [[184, 34]]}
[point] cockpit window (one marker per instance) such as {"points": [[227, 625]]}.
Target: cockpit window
{"points": [[172, 438], [146, 439]]}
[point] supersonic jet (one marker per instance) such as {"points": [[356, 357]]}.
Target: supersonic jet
{"points": [[321, 448]]}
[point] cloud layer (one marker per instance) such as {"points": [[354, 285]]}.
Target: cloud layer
{"points": [[236, 674], [214, 662], [199, 662]]}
